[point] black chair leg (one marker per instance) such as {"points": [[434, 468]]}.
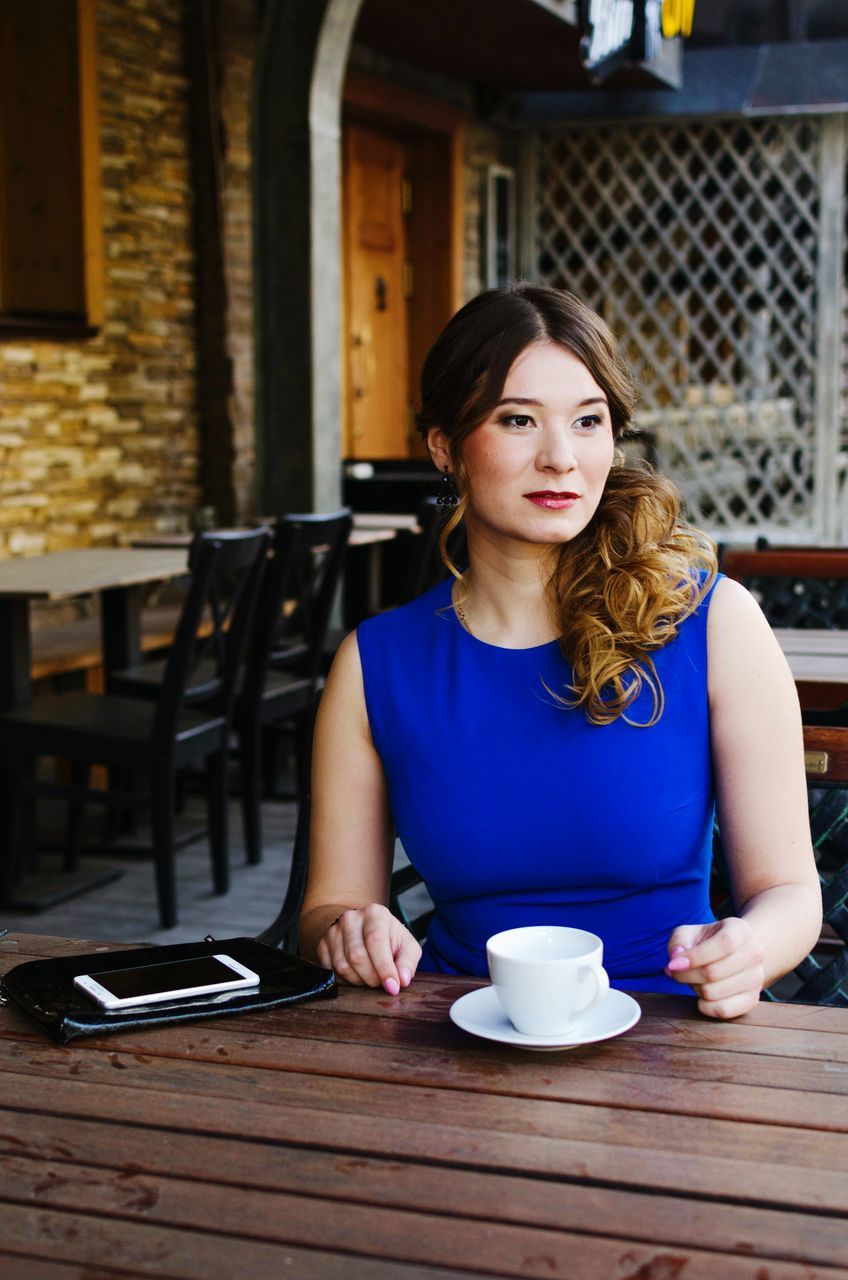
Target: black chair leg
{"points": [[270, 760], [26, 838], [162, 794], [79, 775], [216, 808], [250, 769], [119, 820], [14, 799], [303, 728]]}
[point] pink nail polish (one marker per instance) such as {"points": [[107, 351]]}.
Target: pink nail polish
{"points": [[391, 985], [405, 977], [677, 964]]}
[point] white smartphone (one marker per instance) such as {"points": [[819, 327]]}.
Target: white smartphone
{"points": [[155, 983]]}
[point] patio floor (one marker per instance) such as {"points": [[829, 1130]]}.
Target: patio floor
{"points": [[125, 910]]}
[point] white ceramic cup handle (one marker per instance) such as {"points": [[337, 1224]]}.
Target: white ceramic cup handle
{"points": [[601, 985]]}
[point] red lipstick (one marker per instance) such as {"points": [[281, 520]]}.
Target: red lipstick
{"points": [[552, 500]]}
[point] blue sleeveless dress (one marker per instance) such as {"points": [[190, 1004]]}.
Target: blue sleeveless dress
{"points": [[517, 811]]}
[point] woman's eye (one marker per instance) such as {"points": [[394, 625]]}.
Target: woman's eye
{"points": [[589, 422], [517, 420]]}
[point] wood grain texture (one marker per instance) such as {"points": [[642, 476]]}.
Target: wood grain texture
{"points": [[62, 574], [371, 1137]]}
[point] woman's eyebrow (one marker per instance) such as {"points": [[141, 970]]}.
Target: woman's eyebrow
{"points": [[540, 404]]}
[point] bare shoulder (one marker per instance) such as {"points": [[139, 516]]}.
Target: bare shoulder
{"points": [[743, 651], [731, 600]]}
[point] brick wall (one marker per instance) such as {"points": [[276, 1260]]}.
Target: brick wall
{"points": [[98, 438], [237, 34]]}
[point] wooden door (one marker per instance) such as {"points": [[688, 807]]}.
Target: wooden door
{"points": [[377, 325]]}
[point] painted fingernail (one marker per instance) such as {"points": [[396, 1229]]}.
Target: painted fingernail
{"points": [[677, 951], [391, 985], [405, 976], [677, 963]]}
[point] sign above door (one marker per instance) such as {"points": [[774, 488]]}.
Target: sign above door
{"points": [[626, 34]]}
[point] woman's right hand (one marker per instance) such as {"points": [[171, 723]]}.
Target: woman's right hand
{"points": [[369, 947]]}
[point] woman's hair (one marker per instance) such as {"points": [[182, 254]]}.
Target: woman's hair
{"points": [[623, 585]]}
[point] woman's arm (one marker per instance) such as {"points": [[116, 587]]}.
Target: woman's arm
{"points": [[757, 746], [344, 922]]}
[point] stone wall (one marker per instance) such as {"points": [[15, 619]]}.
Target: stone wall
{"points": [[237, 36], [98, 437]]}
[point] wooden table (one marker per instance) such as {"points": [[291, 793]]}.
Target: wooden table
{"points": [[363, 534], [364, 577], [818, 660], [815, 656], [117, 574], [370, 1138], [367, 520]]}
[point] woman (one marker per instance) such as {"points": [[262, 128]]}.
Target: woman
{"points": [[549, 734]]}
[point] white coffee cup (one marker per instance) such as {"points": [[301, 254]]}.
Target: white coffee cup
{"points": [[546, 975]]}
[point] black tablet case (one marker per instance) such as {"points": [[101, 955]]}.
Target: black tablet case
{"points": [[44, 989]]}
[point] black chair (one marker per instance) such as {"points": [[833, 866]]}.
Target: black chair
{"points": [[795, 586], [285, 663], [284, 656], [153, 739], [282, 931], [822, 976]]}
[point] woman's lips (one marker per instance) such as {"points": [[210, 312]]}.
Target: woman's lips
{"points": [[552, 501]]}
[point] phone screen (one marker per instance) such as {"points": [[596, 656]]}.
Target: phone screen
{"points": [[130, 984]]}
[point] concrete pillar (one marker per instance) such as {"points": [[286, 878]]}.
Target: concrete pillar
{"points": [[300, 69]]}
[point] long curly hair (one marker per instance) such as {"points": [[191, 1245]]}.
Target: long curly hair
{"points": [[621, 588]]}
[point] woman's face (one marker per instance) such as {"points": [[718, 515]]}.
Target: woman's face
{"points": [[536, 468]]}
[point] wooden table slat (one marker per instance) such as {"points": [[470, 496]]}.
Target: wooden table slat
{"points": [[444, 1240], [772, 1166], [593, 1075], [223, 1081], [144, 1249], [431, 1188], [20, 1267]]}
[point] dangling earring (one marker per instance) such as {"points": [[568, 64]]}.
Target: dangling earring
{"points": [[448, 496]]}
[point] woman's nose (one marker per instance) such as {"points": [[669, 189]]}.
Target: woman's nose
{"points": [[556, 452]]}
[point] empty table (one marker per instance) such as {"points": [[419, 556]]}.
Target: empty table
{"points": [[117, 574]]}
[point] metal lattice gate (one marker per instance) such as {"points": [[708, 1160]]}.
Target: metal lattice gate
{"points": [[715, 249]]}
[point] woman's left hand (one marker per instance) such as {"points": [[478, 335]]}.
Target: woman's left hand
{"points": [[722, 961]]}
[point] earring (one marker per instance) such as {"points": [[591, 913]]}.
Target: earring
{"points": [[448, 496]]}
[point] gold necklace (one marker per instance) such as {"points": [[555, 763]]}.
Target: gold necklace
{"points": [[460, 613]]}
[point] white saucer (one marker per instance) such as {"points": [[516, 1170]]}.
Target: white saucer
{"points": [[481, 1013]]}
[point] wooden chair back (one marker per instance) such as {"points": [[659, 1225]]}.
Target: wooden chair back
{"points": [[824, 973], [226, 570], [296, 601], [796, 586], [822, 977], [282, 931]]}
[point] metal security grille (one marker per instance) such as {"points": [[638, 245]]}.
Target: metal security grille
{"points": [[715, 248]]}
